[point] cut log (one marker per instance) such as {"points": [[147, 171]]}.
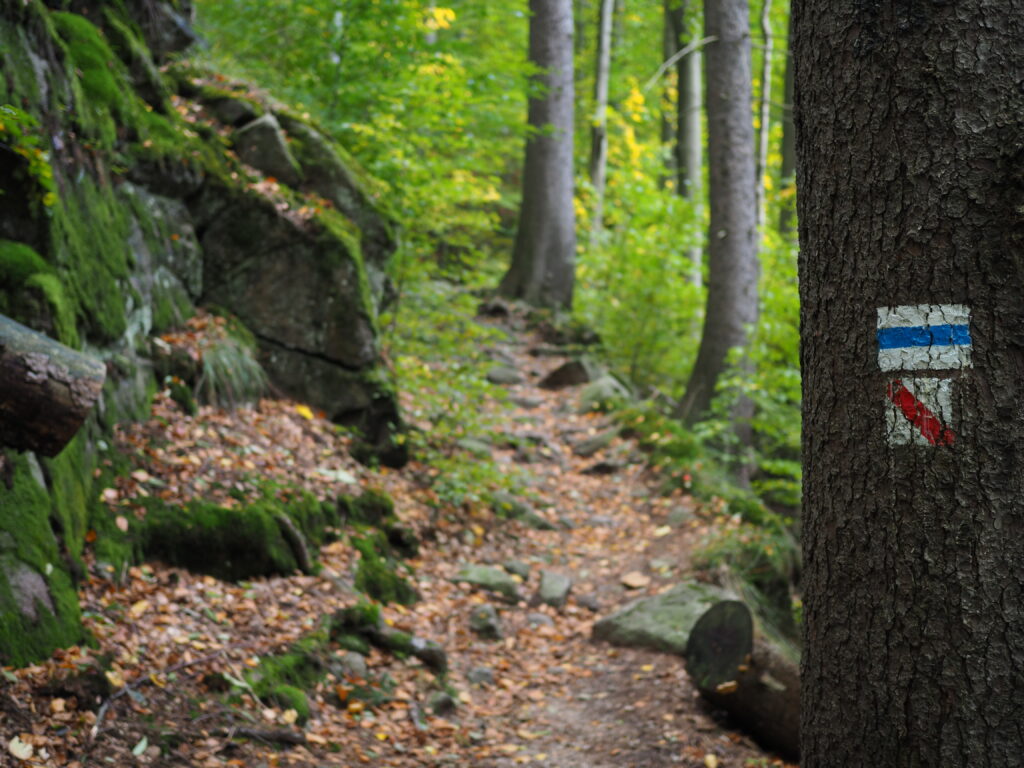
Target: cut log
{"points": [[753, 678], [46, 389]]}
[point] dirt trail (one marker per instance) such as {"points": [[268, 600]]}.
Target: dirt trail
{"points": [[557, 698]]}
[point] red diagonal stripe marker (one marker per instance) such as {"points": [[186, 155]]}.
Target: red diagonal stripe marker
{"points": [[929, 425]]}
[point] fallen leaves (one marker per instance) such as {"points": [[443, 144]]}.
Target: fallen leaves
{"points": [[175, 647], [635, 580]]}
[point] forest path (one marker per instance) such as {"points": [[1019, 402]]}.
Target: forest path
{"points": [[607, 707], [163, 689]]}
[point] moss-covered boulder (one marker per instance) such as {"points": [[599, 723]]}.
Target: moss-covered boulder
{"points": [[38, 605], [236, 543], [117, 219], [662, 622]]}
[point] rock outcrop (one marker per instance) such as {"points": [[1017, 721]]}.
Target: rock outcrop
{"points": [[123, 207]]}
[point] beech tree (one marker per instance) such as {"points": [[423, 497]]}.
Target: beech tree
{"points": [[544, 258], [732, 245], [599, 127], [909, 150], [688, 149]]}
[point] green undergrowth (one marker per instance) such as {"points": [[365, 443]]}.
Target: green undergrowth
{"points": [[440, 356], [754, 541], [382, 542]]}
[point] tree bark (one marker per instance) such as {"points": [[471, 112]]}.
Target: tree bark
{"points": [[544, 257], [754, 679], [788, 170], [732, 252], [909, 169], [688, 151], [599, 126], [764, 112], [46, 389]]}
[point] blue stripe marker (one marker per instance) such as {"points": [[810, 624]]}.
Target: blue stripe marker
{"points": [[923, 336]]}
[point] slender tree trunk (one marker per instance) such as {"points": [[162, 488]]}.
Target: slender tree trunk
{"points": [[544, 258], [688, 151], [599, 126], [764, 112], [910, 153], [788, 170], [669, 45], [690, 154], [732, 253]]}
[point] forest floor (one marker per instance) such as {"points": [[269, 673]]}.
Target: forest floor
{"points": [[152, 692]]}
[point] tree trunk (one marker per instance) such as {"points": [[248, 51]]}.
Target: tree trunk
{"points": [[764, 113], [753, 678], [788, 170], [669, 45], [690, 154], [909, 154], [688, 149], [732, 255], [599, 126], [544, 258], [46, 389]]}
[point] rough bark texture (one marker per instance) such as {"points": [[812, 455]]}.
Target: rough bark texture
{"points": [[46, 389], [544, 259], [788, 170], [910, 152], [732, 251], [754, 679]]}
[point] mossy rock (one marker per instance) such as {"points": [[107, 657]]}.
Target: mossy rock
{"points": [[230, 543], [372, 507], [300, 666], [38, 605], [376, 574], [290, 697]]}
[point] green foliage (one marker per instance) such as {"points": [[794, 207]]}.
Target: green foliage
{"points": [[231, 375], [439, 355], [431, 100], [21, 134]]}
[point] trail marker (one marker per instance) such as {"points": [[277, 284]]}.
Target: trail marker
{"points": [[919, 412], [922, 337]]}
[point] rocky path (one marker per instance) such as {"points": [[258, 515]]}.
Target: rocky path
{"points": [[526, 685]]}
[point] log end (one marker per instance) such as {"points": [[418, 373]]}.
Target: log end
{"points": [[720, 643]]}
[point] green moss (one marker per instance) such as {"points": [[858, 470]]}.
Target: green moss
{"points": [[18, 262], [355, 619], [376, 573], [232, 544], [90, 233], [372, 507], [52, 289], [27, 544], [70, 481], [33, 294], [290, 697], [98, 78], [352, 642], [127, 42], [20, 86], [313, 517]]}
